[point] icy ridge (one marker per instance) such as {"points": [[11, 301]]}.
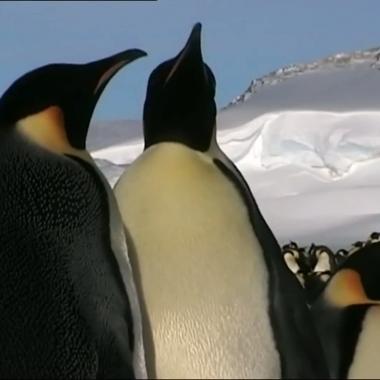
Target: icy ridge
{"points": [[372, 56]]}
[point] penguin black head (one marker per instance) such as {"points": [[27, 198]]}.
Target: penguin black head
{"points": [[358, 244], [374, 237], [291, 245], [54, 104], [179, 105], [342, 252]]}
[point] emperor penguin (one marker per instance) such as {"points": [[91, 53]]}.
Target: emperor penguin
{"points": [[325, 264], [322, 268], [355, 247], [217, 298], [68, 303], [340, 256], [347, 316], [373, 238], [292, 256]]}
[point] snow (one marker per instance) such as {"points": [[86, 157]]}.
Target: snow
{"points": [[306, 138], [324, 140]]}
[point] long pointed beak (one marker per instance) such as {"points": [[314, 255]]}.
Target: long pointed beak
{"points": [[191, 53], [109, 66]]}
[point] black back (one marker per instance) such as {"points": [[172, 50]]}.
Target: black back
{"points": [[64, 312]]}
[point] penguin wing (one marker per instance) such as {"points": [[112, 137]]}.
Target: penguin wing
{"points": [[300, 349], [43, 332], [294, 332], [98, 279]]}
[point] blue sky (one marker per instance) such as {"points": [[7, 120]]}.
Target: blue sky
{"points": [[242, 39]]}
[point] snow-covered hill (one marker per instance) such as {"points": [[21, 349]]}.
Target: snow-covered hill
{"points": [[307, 139], [371, 56]]}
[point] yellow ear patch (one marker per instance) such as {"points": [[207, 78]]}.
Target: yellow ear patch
{"points": [[346, 288], [47, 129]]}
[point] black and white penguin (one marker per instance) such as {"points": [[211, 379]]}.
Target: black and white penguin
{"points": [[356, 247], [373, 238], [347, 316], [294, 257], [68, 304], [217, 298], [340, 256], [292, 245], [322, 267], [325, 264]]}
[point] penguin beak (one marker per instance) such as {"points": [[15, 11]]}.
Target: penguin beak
{"points": [[190, 56], [106, 68]]}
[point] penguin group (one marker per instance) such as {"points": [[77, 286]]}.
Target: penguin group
{"points": [[174, 273], [314, 265], [320, 259]]}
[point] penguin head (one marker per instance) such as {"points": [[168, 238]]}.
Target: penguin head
{"points": [[374, 237], [342, 252], [53, 105], [179, 105], [291, 245], [358, 244], [357, 279]]}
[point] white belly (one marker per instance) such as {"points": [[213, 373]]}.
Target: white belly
{"points": [[203, 277], [366, 363]]}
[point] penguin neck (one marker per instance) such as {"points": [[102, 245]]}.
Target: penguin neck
{"points": [[216, 152], [47, 129], [214, 149], [196, 136]]}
